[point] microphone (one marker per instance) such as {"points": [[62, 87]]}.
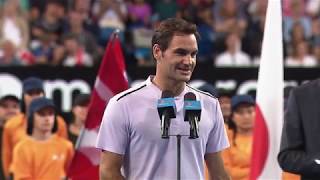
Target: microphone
{"points": [[192, 109], [166, 110]]}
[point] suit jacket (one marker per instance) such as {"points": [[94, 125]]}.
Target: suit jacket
{"points": [[300, 141]]}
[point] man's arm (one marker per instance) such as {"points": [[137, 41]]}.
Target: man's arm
{"points": [[215, 166], [292, 156], [110, 165]]}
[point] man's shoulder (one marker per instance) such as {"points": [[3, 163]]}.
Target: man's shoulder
{"points": [[310, 88], [202, 93], [129, 92]]}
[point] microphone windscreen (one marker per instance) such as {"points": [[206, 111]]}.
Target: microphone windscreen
{"points": [[190, 96]]}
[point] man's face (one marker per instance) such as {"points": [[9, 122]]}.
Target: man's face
{"points": [[9, 108], [43, 119], [244, 116], [80, 112], [178, 61], [225, 104], [31, 95]]}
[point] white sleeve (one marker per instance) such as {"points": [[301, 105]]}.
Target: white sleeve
{"points": [[113, 134], [218, 139]]}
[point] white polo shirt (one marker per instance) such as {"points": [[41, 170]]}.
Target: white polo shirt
{"points": [[131, 127]]}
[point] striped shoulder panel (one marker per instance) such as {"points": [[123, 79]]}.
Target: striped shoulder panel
{"points": [[134, 90], [202, 92]]}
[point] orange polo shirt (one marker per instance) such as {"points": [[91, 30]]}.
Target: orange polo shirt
{"points": [[14, 131], [39, 160]]}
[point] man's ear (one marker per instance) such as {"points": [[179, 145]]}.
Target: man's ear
{"points": [[156, 51]]}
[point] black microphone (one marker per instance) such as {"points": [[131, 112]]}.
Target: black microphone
{"points": [[166, 110], [192, 109]]}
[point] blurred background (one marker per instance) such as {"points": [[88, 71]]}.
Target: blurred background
{"points": [[63, 42]]}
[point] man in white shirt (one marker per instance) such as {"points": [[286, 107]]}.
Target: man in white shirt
{"points": [[129, 136]]}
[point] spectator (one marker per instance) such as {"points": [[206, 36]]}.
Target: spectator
{"points": [[112, 15], [15, 129], [229, 15], [298, 15], [42, 154], [85, 38], [9, 107], [237, 157], [207, 34], [8, 54], [43, 49], [225, 103], [301, 57], [233, 56], [139, 13], [50, 23], [252, 41], [75, 53], [297, 35], [79, 111], [166, 9], [13, 25]]}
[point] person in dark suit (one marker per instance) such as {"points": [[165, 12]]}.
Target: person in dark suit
{"points": [[300, 141]]}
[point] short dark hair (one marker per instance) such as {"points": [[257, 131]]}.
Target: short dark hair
{"points": [[168, 28]]}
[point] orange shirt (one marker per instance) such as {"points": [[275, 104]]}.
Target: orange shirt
{"points": [[39, 160], [15, 130], [237, 157], [289, 176]]}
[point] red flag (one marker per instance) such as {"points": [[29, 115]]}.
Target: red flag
{"points": [[111, 80], [269, 111]]}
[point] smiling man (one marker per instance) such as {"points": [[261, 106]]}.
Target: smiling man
{"points": [[129, 135]]}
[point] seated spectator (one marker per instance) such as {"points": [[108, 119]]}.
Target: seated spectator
{"points": [[75, 53], [85, 38], [43, 49], [42, 154], [79, 111], [207, 34], [112, 15], [50, 23], [141, 41], [237, 158], [297, 15], [229, 15], [301, 57], [252, 41], [166, 9], [13, 25], [8, 54], [297, 35], [233, 56], [139, 13]]}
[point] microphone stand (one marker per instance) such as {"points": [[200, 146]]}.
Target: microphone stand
{"points": [[178, 155]]}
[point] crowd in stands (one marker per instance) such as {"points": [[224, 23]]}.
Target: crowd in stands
{"points": [[75, 32]]}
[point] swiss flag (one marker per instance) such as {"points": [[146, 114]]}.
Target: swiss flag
{"points": [[269, 111], [111, 80]]}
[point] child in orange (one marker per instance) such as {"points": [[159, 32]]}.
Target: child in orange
{"points": [[15, 129], [42, 154], [237, 157]]}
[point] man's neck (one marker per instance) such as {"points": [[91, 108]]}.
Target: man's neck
{"points": [[245, 132], [175, 87], [41, 135]]}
